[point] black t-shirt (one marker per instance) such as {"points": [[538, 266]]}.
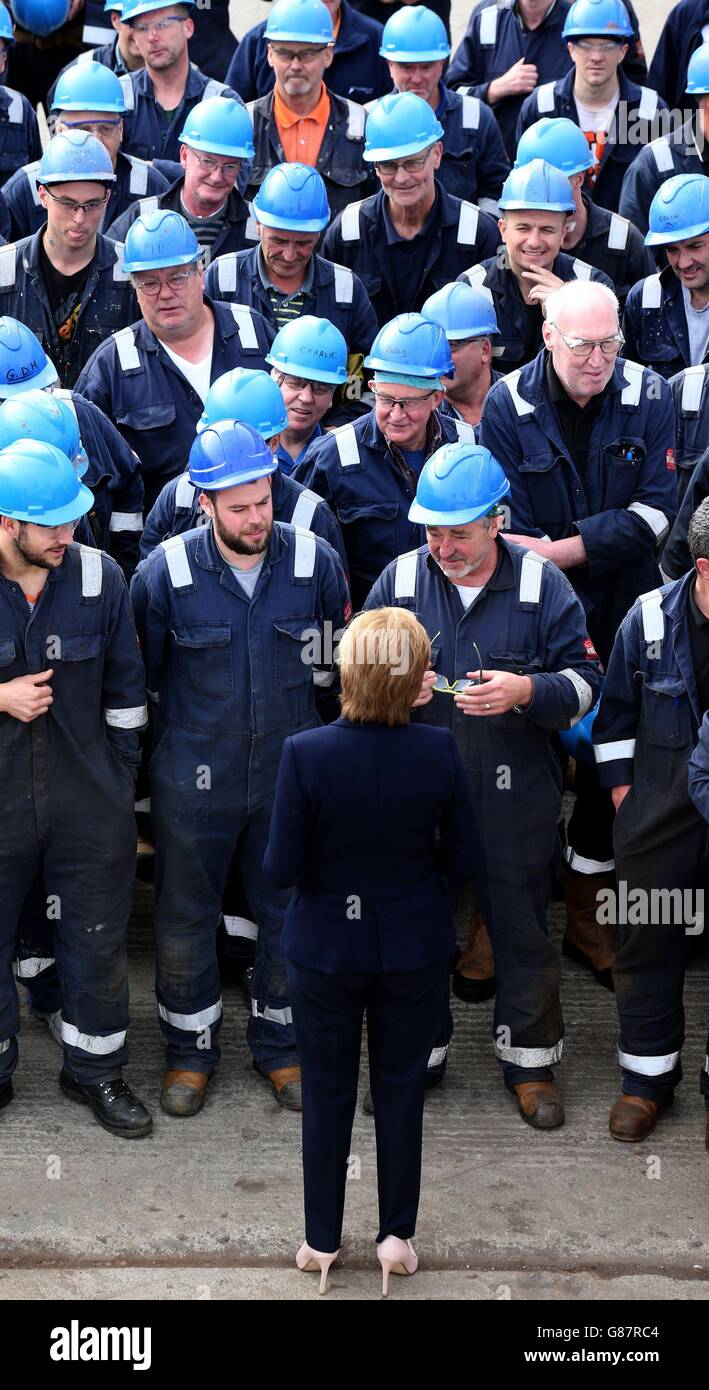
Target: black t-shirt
{"points": [[64, 293], [576, 421], [408, 257]]}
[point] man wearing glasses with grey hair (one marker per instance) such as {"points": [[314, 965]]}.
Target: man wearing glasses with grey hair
{"points": [[587, 441]]}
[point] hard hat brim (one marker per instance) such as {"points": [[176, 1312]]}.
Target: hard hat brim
{"points": [[531, 205], [428, 55], [162, 262], [290, 36], [685, 234], [72, 511], [460, 518], [251, 475], [108, 106], [383, 156], [214, 147], [289, 224], [334, 378], [47, 377]]}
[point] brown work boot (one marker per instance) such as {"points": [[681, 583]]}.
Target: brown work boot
{"points": [[539, 1103], [285, 1084], [586, 940], [474, 975], [634, 1117], [183, 1092]]}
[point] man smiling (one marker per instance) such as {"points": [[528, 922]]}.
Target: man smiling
{"points": [[666, 321]]}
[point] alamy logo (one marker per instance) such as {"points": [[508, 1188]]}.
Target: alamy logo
{"points": [[75, 1343]]}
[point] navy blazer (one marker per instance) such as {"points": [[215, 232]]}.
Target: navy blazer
{"points": [[354, 826]]}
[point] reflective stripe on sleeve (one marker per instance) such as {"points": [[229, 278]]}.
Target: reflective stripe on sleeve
{"points": [[133, 718]]}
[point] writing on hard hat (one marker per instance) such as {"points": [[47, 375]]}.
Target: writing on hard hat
{"points": [[247, 395], [398, 125], [558, 141], [537, 185], [461, 311], [39, 484], [311, 348], [679, 210], [607, 18], [35, 415], [413, 345], [74, 156], [300, 21], [458, 484], [23, 361], [132, 9], [414, 35], [219, 125], [41, 17], [292, 197], [228, 453], [88, 87], [698, 72], [160, 239]]}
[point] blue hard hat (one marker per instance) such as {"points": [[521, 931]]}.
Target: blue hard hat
{"points": [[558, 141], [41, 17], [113, 5], [88, 87], [75, 157], [607, 18], [679, 210], [312, 348], [159, 239], [247, 395], [6, 27], [461, 311], [536, 185], [578, 740], [458, 484], [413, 345], [398, 125], [292, 197], [698, 72], [23, 361], [38, 483], [300, 21], [220, 125], [228, 453], [36, 415], [414, 35], [131, 9]]}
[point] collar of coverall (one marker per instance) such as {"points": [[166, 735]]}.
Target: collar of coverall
{"points": [[209, 557], [504, 575]]}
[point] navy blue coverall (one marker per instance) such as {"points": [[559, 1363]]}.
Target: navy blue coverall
{"points": [[232, 678], [682, 33], [527, 620], [669, 154], [689, 393], [107, 301], [237, 232], [459, 234], [19, 133], [83, 753], [475, 163], [339, 162], [145, 131], [132, 379], [655, 324], [643, 735], [612, 244]]}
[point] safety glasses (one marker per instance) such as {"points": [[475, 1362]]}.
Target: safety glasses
{"points": [[445, 687]]}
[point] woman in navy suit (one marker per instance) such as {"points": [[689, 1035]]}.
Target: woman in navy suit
{"points": [[371, 813]]}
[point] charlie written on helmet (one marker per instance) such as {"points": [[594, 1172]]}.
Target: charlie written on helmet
{"points": [[158, 239], [36, 415], [461, 311], [398, 125], [292, 197], [23, 361], [458, 484], [414, 35], [39, 484], [219, 125], [311, 348], [412, 345], [248, 395], [227, 454], [679, 210], [559, 142]]}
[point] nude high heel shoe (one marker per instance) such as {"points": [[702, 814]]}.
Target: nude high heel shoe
{"points": [[309, 1259], [396, 1257]]}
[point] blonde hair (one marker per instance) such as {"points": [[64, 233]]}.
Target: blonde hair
{"points": [[382, 656]]}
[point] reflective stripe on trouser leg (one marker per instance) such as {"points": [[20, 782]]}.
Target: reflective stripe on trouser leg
{"points": [[270, 1033], [589, 834], [32, 966]]}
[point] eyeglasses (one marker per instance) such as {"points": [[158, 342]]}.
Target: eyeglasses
{"points": [[158, 26], [583, 347], [211, 166], [598, 45], [174, 282], [455, 344], [104, 128], [445, 687], [298, 383], [94, 204], [409, 404], [391, 167], [306, 55]]}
